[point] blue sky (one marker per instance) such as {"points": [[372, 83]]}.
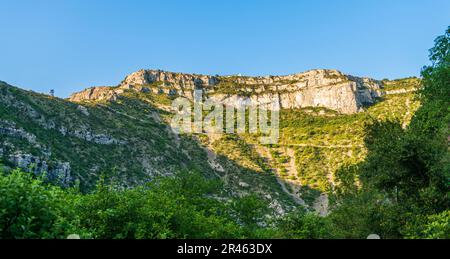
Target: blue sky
{"points": [[68, 45]]}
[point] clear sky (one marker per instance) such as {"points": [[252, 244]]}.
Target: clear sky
{"points": [[69, 45]]}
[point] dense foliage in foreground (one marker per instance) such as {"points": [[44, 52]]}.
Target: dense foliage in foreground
{"points": [[181, 207]]}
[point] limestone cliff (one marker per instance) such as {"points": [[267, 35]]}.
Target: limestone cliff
{"points": [[316, 88]]}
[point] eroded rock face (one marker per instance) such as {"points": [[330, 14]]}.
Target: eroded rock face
{"points": [[316, 88], [59, 172], [95, 93]]}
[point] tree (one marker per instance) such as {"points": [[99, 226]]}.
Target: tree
{"points": [[302, 225], [32, 209], [435, 226], [406, 174], [175, 207], [251, 210]]}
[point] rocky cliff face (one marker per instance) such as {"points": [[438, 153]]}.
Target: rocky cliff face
{"points": [[316, 88]]}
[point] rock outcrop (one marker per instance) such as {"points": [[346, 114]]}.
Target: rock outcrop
{"points": [[316, 88], [59, 172]]}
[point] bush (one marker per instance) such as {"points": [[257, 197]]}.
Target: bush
{"points": [[32, 209]]}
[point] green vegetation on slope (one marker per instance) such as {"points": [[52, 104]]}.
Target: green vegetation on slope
{"points": [[323, 141]]}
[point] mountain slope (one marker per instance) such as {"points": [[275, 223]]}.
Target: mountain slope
{"points": [[127, 141], [122, 133]]}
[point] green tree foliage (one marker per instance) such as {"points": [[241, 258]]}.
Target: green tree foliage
{"points": [[406, 173], [302, 225], [346, 181], [431, 227], [166, 208], [30, 208], [185, 206]]}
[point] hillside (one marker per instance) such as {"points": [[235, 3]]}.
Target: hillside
{"points": [[122, 133]]}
